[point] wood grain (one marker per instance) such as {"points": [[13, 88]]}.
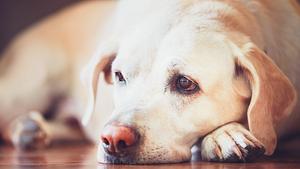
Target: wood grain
{"points": [[84, 156]]}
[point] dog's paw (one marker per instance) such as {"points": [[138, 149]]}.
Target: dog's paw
{"points": [[29, 132], [231, 143]]}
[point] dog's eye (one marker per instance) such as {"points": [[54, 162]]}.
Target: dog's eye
{"points": [[185, 85], [120, 77]]}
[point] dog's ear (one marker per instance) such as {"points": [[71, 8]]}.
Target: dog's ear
{"points": [[273, 95], [103, 65], [90, 78]]}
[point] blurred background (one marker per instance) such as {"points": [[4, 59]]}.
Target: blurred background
{"points": [[15, 15]]}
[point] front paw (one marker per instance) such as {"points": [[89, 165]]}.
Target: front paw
{"points": [[29, 132], [231, 143]]}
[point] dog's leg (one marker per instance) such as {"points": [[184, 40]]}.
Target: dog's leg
{"points": [[231, 143], [32, 75], [27, 79], [32, 131]]}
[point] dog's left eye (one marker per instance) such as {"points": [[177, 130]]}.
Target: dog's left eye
{"points": [[120, 77], [185, 85]]}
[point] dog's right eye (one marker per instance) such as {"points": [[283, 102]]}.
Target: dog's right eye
{"points": [[120, 78], [185, 85]]}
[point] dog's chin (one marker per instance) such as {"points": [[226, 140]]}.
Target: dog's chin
{"points": [[141, 158]]}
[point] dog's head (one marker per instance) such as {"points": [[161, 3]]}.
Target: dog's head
{"points": [[172, 88]]}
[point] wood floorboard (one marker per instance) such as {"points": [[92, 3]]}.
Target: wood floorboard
{"points": [[84, 157]]}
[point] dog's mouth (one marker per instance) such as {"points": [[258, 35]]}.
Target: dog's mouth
{"points": [[110, 159], [139, 158], [131, 160], [119, 158], [124, 144], [106, 157]]}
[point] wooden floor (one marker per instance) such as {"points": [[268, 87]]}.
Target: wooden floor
{"points": [[84, 156]]}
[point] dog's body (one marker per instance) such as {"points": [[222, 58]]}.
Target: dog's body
{"points": [[221, 46], [42, 66]]}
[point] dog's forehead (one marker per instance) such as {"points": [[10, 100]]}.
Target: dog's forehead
{"points": [[141, 32], [198, 53], [138, 48], [158, 44]]}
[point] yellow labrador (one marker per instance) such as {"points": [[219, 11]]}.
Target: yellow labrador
{"points": [[218, 74]]}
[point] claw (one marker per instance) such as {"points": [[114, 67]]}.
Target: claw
{"points": [[231, 143], [218, 153]]}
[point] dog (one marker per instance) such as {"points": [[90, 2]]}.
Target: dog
{"points": [[218, 75]]}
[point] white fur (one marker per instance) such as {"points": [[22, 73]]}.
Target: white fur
{"points": [[153, 40]]}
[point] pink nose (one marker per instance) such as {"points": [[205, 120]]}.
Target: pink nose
{"points": [[118, 138]]}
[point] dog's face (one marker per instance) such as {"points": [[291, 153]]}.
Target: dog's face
{"points": [[175, 83], [175, 94]]}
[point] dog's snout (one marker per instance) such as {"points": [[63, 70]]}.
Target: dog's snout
{"points": [[118, 138]]}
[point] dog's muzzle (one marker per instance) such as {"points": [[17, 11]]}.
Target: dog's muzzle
{"points": [[120, 142]]}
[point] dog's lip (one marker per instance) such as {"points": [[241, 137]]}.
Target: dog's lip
{"points": [[116, 158], [134, 159], [111, 159], [119, 155]]}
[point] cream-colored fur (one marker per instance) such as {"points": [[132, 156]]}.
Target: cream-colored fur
{"points": [[43, 64], [244, 56]]}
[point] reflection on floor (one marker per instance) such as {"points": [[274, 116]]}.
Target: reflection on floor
{"points": [[84, 156]]}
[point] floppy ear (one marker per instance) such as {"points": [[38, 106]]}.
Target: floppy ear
{"points": [[90, 77], [273, 95]]}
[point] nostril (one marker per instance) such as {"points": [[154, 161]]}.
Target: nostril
{"points": [[105, 142], [121, 145], [108, 145]]}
